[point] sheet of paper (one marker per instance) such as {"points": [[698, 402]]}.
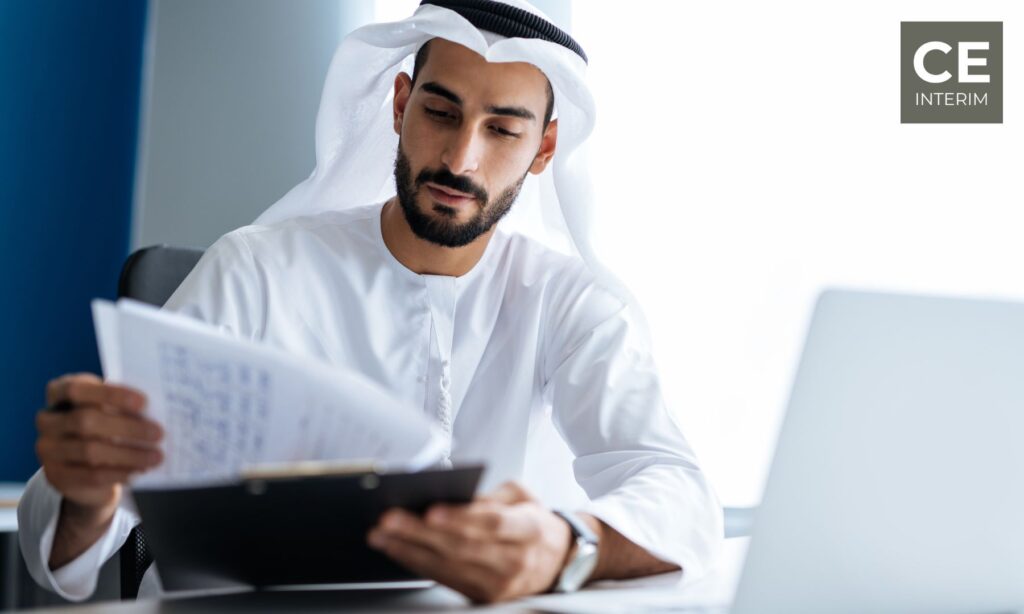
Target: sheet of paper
{"points": [[228, 404]]}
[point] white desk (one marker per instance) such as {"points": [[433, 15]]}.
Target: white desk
{"points": [[9, 494], [663, 593]]}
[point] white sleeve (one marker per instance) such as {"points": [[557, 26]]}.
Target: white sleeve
{"points": [[225, 289], [37, 522], [632, 460]]}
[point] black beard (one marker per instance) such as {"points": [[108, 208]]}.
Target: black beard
{"points": [[440, 229]]}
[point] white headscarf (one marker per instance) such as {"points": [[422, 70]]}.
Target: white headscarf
{"points": [[356, 143]]}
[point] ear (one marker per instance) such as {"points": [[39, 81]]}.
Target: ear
{"points": [[403, 89], [547, 148]]}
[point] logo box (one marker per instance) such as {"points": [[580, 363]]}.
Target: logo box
{"points": [[951, 72]]}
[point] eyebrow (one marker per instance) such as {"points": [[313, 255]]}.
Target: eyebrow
{"points": [[439, 90], [432, 87], [521, 112]]}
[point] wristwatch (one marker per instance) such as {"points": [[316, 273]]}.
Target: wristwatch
{"points": [[577, 571]]}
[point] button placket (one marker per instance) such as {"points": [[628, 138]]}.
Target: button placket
{"points": [[444, 337], [445, 408]]}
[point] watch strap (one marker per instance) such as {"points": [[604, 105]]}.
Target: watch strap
{"points": [[579, 529]]}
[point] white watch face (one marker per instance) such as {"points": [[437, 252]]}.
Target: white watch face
{"points": [[578, 571]]}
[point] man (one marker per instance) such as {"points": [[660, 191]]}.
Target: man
{"points": [[490, 332]]}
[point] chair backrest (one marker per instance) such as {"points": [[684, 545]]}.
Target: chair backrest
{"points": [[150, 275]]}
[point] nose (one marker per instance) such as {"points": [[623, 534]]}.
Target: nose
{"points": [[462, 152]]}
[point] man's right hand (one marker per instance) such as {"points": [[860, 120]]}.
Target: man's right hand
{"points": [[89, 452]]}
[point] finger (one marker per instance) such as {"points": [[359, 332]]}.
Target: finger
{"points": [[479, 520], [85, 389], [509, 492], [399, 523], [98, 454], [467, 578], [485, 520], [487, 552], [50, 423], [55, 386], [94, 423], [68, 477]]}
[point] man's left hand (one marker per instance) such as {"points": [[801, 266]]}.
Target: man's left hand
{"points": [[498, 547]]}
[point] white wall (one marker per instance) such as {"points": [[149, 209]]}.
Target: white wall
{"points": [[750, 154], [232, 89]]}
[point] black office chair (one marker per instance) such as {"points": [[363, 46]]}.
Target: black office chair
{"points": [[150, 275]]}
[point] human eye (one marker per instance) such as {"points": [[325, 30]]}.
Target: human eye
{"points": [[505, 132], [439, 114]]}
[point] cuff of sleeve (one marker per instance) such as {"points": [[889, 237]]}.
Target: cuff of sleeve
{"points": [[694, 559], [76, 581], [38, 513]]}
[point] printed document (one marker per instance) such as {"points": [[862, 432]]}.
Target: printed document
{"points": [[229, 405]]}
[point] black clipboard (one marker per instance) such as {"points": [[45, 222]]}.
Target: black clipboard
{"points": [[287, 530]]}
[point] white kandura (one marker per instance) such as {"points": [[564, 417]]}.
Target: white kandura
{"points": [[535, 343]]}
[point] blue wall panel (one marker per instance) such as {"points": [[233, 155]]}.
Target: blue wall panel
{"points": [[70, 75]]}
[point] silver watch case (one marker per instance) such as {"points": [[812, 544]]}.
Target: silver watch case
{"points": [[578, 570]]}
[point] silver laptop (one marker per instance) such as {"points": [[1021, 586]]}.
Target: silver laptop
{"points": [[898, 478]]}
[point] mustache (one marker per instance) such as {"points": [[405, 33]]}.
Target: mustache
{"points": [[444, 177]]}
